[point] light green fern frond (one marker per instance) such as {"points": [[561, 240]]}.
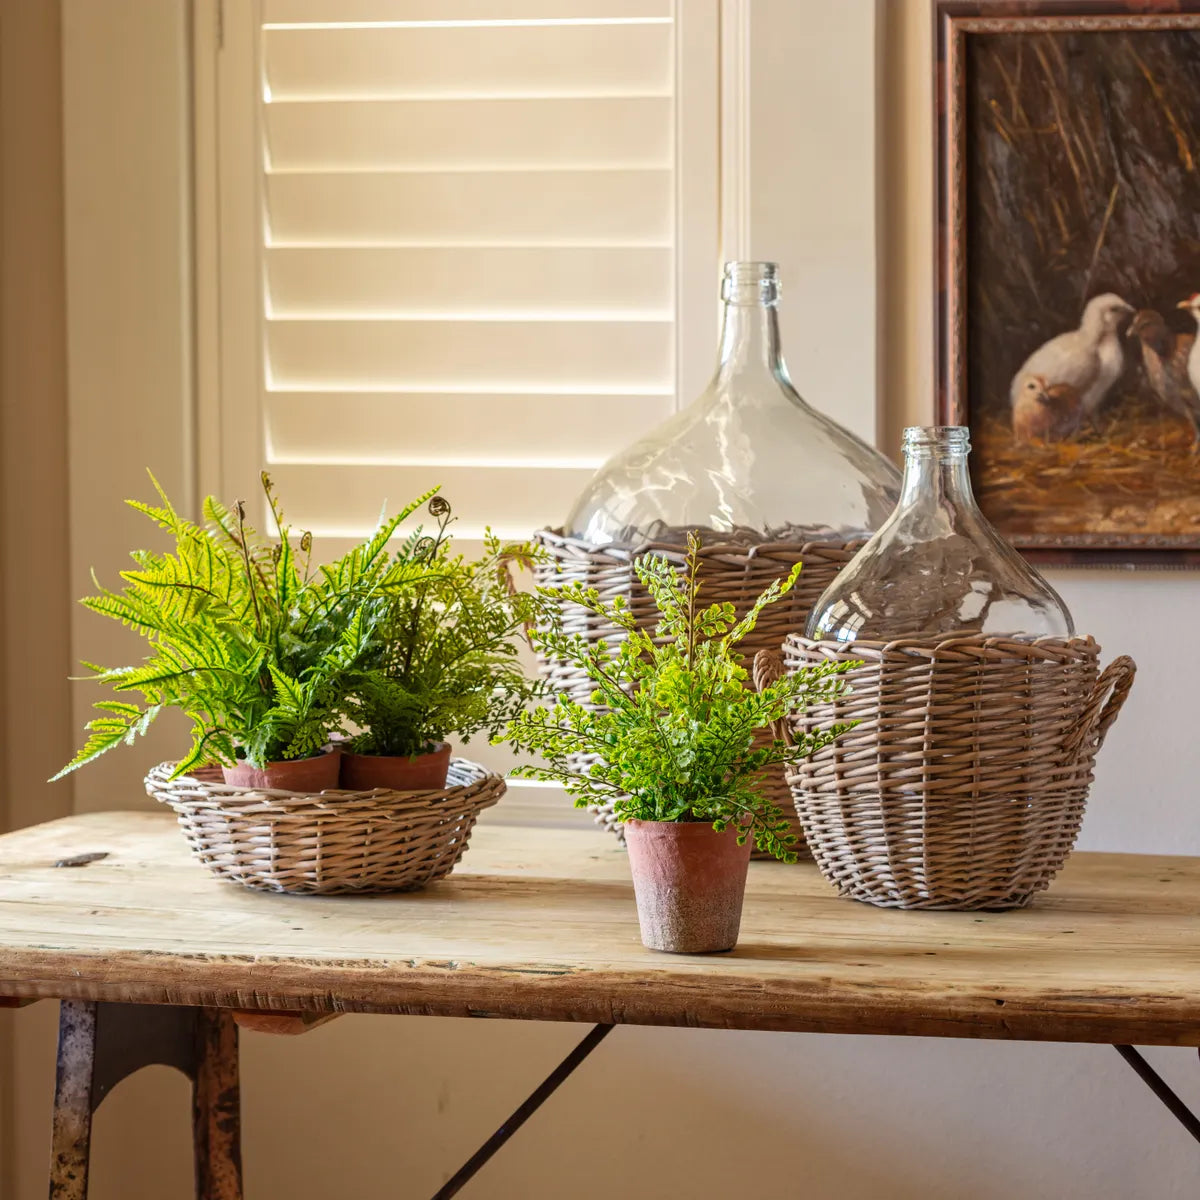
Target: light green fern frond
{"points": [[118, 724]]}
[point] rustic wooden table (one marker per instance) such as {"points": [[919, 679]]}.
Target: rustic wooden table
{"points": [[108, 913]]}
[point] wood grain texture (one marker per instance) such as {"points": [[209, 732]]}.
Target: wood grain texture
{"points": [[540, 924], [282, 1024]]}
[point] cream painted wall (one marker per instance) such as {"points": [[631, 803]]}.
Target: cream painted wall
{"points": [[129, 300], [905, 206], [812, 204], [34, 600], [388, 1106]]}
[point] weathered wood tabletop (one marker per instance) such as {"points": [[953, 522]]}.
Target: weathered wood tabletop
{"points": [[541, 924]]}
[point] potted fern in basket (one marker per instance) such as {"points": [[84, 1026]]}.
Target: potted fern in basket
{"points": [[441, 659], [675, 743], [268, 654], [247, 639]]}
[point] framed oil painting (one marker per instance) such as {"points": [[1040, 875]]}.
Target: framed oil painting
{"points": [[1069, 290]]}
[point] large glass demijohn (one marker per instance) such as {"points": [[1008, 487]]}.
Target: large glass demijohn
{"points": [[937, 567], [748, 461]]}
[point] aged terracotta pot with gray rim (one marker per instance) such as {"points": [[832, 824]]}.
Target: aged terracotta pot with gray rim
{"points": [[420, 773], [290, 775], [689, 882]]}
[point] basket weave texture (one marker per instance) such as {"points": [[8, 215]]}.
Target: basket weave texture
{"points": [[964, 784], [732, 572], [327, 842]]}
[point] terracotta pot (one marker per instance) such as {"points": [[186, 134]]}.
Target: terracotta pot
{"points": [[422, 772], [689, 881], [291, 775]]}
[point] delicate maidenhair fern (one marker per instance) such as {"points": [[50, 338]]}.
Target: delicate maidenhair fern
{"points": [[675, 734], [443, 657], [243, 637]]}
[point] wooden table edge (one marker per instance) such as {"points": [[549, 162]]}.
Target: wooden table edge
{"points": [[280, 1000]]}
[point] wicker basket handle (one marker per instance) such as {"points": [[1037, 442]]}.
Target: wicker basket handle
{"points": [[768, 669], [1104, 704]]}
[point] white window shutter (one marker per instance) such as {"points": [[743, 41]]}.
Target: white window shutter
{"points": [[469, 251]]}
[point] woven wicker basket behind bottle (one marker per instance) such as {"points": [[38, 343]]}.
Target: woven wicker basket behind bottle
{"points": [[728, 571]]}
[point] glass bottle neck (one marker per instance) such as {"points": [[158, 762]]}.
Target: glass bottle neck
{"points": [[935, 470], [749, 341], [933, 480]]}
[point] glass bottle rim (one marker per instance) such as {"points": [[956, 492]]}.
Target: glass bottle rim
{"points": [[750, 283], [947, 439], [750, 271]]}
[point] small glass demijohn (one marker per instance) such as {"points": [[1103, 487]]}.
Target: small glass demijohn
{"points": [[936, 567], [748, 461]]}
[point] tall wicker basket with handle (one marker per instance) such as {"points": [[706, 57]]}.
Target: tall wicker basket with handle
{"points": [[733, 572], [964, 783]]}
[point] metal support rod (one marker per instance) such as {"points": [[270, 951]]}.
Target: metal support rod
{"points": [[1159, 1086], [536, 1099]]}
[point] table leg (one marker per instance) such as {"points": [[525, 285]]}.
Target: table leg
{"points": [[536, 1099], [1159, 1086], [217, 1108], [71, 1138], [100, 1044]]}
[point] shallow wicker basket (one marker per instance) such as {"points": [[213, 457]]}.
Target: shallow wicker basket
{"points": [[737, 573], [964, 784], [327, 842]]}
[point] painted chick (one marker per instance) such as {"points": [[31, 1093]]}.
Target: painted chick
{"points": [[1165, 359], [1088, 359], [1045, 412]]}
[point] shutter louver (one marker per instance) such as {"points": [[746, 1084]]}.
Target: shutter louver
{"points": [[469, 251]]}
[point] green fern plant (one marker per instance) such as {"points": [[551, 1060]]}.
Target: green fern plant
{"points": [[256, 647], [444, 657], [675, 731]]}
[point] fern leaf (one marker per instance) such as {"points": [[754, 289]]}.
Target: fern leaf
{"points": [[290, 693], [126, 610], [206, 745], [105, 732]]}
